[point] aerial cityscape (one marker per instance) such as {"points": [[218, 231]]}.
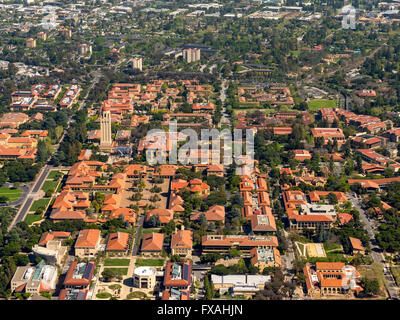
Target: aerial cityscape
{"points": [[195, 150]]}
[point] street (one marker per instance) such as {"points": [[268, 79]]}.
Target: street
{"points": [[376, 253]]}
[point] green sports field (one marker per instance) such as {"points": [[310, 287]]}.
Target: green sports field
{"points": [[317, 104]]}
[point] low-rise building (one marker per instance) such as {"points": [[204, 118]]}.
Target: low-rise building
{"points": [[237, 284]]}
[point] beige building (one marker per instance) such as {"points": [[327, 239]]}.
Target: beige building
{"points": [[182, 243], [53, 252], [42, 36], [105, 130], [137, 63], [144, 278], [42, 278], [31, 43], [191, 55], [87, 244], [85, 49]]}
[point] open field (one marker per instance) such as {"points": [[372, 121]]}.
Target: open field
{"points": [[117, 262], [11, 194], [320, 104]]}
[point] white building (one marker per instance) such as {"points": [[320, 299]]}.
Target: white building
{"points": [[144, 278], [53, 252], [85, 49], [191, 55], [318, 209], [137, 63], [240, 284], [35, 279]]}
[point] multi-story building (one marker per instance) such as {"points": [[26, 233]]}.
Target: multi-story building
{"points": [[87, 244], [137, 63], [191, 55], [331, 278], [144, 278], [244, 243], [182, 243], [31, 43], [79, 275], [41, 278], [329, 134], [85, 49], [178, 275], [263, 257], [42, 36]]}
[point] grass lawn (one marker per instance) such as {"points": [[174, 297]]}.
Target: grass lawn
{"points": [[39, 203], [49, 185], [300, 248], [31, 218], [54, 174], [151, 230], [120, 271], [136, 295], [11, 194], [150, 262], [329, 246], [321, 103], [116, 262], [396, 273], [374, 271], [103, 295]]}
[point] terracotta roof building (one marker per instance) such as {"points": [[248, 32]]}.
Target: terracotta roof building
{"points": [[152, 243], [79, 275], [182, 243], [178, 275], [87, 243], [118, 242], [244, 243], [213, 214]]}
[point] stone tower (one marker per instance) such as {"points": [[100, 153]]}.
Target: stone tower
{"points": [[105, 128]]}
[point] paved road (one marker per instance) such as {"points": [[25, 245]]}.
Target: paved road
{"points": [[376, 253], [28, 198], [136, 244], [23, 211]]}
